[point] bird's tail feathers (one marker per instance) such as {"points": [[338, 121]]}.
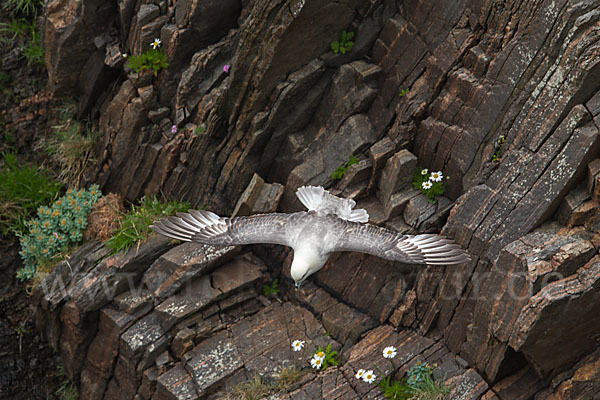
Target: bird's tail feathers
{"points": [[315, 198], [312, 197]]}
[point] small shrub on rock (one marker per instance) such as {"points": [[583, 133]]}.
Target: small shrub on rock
{"points": [[153, 59], [55, 229]]}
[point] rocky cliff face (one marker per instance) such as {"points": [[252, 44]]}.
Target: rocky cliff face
{"points": [[504, 98]]}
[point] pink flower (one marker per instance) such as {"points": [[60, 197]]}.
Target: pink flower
{"points": [[174, 129], [226, 68]]}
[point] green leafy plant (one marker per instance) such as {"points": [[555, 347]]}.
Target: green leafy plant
{"points": [[22, 191], [395, 390], [56, 228], [200, 129], [329, 356], [498, 145], [344, 45], [419, 384], [134, 225], [404, 92], [71, 147], [273, 288], [430, 184], [152, 59], [341, 171]]}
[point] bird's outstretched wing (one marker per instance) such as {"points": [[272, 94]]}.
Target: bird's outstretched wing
{"points": [[315, 198], [207, 227], [412, 249]]}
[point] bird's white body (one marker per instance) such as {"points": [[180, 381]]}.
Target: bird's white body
{"points": [[331, 224]]}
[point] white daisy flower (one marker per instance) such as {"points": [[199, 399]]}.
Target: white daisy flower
{"points": [[297, 345], [424, 171], [436, 176], [369, 376], [389, 352], [320, 355], [427, 185], [316, 362], [359, 373], [155, 44]]}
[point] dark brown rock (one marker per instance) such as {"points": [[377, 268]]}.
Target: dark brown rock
{"points": [[139, 336], [148, 385], [116, 274], [175, 384], [215, 359], [77, 333], [344, 323], [69, 31], [522, 385], [396, 175], [563, 315], [207, 289], [581, 382], [468, 386], [181, 264], [258, 198], [54, 288], [102, 353], [419, 209]]}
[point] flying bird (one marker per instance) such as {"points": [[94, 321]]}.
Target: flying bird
{"points": [[331, 224]]}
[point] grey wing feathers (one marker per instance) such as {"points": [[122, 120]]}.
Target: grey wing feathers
{"points": [[315, 198], [420, 249], [207, 227]]}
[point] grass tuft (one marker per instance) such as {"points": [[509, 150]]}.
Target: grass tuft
{"points": [[134, 225], [22, 191], [71, 148], [23, 7]]}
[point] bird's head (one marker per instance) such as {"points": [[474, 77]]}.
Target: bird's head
{"points": [[307, 261], [299, 271]]}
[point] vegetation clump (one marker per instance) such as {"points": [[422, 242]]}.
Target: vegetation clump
{"points": [[341, 171], [344, 45], [418, 385], [71, 148], [498, 148], [134, 225], [21, 27], [24, 7], [258, 387], [431, 184], [153, 59], [272, 288], [55, 229], [22, 191]]}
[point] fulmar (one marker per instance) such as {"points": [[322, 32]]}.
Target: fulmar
{"points": [[331, 224]]}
